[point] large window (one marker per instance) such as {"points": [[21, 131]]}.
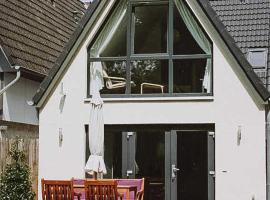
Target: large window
{"points": [[151, 48]]}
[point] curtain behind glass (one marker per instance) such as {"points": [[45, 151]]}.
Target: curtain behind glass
{"points": [[200, 38], [102, 41]]}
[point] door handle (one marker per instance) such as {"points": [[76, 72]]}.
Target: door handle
{"points": [[129, 172], [174, 171]]}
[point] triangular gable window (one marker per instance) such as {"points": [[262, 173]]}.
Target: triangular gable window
{"points": [[111, 41], [151, 48]]}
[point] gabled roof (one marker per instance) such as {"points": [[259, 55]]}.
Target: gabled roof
{"points": [[34, 32], [212, 17], [247, 21]]}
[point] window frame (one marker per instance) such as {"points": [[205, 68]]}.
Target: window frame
{"points": [[130, 56]]}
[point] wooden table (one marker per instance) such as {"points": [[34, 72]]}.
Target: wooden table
{"points": [[127, 189]]}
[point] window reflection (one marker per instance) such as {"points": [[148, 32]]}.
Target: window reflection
{"points": [[149, 76], [150, 29], [189, 76], [113, 154]]}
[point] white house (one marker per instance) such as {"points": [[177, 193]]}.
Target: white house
{"points": [[178, 94], [32, 35]]}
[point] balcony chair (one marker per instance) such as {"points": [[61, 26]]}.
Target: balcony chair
{"points": [[101, 189], [115, 82], [139, 183], [152, 85], [57, 190]]}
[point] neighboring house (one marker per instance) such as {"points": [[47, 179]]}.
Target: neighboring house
{"points": [[249, 24], [32, 35], [178, 93]]}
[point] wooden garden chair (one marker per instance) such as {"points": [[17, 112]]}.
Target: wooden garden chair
{"points": [[139, 183], [58, 190], [101, 189]]}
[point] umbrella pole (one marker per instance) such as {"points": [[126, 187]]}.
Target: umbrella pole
{"points": [[95, 175]]}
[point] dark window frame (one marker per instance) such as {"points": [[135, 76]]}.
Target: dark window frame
{"points": [[154, 56]]}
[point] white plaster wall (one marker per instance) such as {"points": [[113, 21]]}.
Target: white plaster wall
{"points": [[240, 170], [15, 107]]}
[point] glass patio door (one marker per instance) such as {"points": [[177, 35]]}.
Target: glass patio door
{"points": [[191, 165], [144, 157], [176, 165]]}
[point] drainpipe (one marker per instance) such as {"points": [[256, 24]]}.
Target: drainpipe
{"points": [[12, 82], [267, 135], [267, 117]]}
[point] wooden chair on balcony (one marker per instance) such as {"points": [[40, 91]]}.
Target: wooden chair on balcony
{"points": [[101, 189]]}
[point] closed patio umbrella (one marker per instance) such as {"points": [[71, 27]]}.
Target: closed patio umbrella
{"points": [[95, 163]]}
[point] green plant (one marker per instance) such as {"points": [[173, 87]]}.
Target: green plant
{"points": [[15, 182]]}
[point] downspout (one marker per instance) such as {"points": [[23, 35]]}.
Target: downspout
{"points": [[267, 135], [267, 117], [12, 82]]}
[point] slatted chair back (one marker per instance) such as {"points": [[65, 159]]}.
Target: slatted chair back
{"points": [[57, 190], [101, 190]]}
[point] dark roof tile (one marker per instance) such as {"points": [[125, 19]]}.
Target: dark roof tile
{"points": [[35, 31], [247, 21]]}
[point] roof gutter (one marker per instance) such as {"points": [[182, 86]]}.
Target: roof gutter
{"points": [[17, 68]]}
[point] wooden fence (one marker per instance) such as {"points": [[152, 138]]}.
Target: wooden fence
{"points": [[28, 136]]}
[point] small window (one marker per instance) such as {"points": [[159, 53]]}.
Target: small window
{"points": [[257, 58]]}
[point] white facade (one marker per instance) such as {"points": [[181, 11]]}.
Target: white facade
{"points": [[15, 107], [240, 169]]}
